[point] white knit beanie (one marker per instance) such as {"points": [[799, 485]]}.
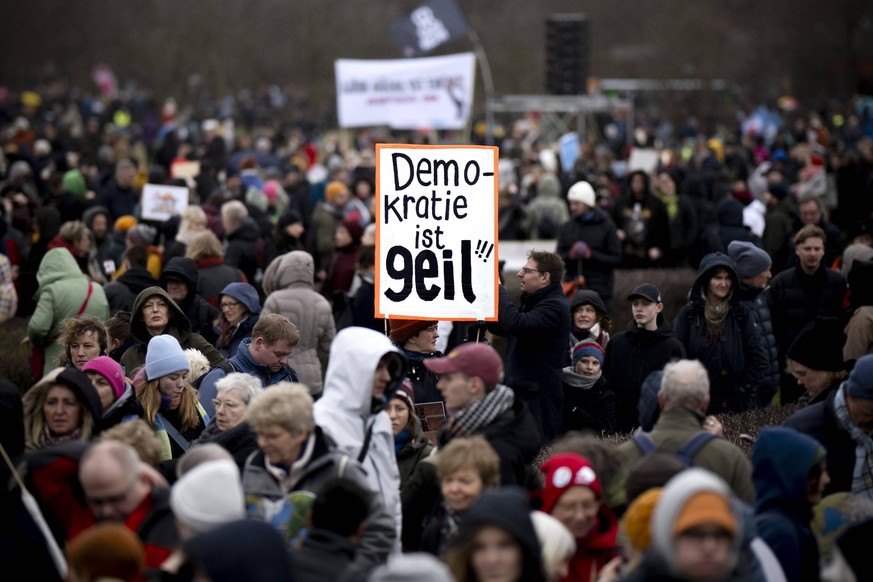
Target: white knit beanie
{"points": [[164, 357], [208, 495]]}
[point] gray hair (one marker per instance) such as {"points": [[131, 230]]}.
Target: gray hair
{"points": [[285, 404], [685, 383], [244, 386], [234, 212]]}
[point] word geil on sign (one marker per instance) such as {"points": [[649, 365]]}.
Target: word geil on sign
{"points": [[436, 232]]}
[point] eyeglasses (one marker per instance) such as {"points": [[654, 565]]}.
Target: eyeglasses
{"points": [[528, 270], [216, 404], [112, 500], [229, 305]]}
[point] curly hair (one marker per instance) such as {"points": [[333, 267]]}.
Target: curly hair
{"points": [[74, 328]]}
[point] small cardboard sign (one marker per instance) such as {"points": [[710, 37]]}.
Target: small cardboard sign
{"points": [[162, 202]]}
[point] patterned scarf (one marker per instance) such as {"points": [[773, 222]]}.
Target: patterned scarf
{"points": [[715, 313], [862, 478], [469, 420], [448, 529]]}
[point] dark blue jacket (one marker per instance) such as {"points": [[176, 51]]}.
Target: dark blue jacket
{"points": [[820, 422], [736, 361], [597, 230], [781, 462], [534, 360], [756, 302], [242, 362]]}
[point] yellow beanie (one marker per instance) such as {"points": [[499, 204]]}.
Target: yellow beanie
{"points": [[705, 508], [334, 188], [637, 519], [124, 223]]}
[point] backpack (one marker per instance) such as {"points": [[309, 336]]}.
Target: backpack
{"points": [[226, 366], [685, 453]]}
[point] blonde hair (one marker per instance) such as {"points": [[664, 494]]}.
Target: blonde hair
{"points": [[470, 453], [73, 231], [149, 396], [204, 245], [139, 435], [190, 216]]}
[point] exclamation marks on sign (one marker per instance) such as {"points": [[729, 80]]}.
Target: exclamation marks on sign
{"points": [[483, 250]]}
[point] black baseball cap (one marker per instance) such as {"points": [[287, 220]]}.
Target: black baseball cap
{"points": [[647, 291]]}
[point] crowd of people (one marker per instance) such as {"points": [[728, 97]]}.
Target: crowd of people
{"points": [[214, 398]]}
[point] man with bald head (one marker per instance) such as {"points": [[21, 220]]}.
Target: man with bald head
{"points": [[118, 488]]}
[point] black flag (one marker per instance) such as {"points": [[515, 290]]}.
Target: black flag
{"points": [[428, 26]]}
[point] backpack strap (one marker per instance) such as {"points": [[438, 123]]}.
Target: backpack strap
{"points": [[690, 449], [644, 442], [226, 366], [367, 438], [174, 434]]}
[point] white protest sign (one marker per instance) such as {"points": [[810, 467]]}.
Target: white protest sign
{"points": [[436, 232], [645, 159], [161, 202], [423, 93]]}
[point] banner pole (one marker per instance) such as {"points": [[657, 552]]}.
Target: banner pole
{"points": [[487, 81]]}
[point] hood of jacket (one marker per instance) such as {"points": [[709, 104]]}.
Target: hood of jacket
{"points": [[137, 280], [242, 550], [56, 265], [641, 335], [245, 294], [179, 326], [90, 213], [296, 269], [549, 186], [781, 462], [348, 383], [705, 272], [73, 379], [588, 297], [247, 231], [181, 268], [729, 212]]}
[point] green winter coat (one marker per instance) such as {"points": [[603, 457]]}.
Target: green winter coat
{"points": [[61, 293]]}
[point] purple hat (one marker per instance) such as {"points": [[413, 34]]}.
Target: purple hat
{"points": [[405, 394], [109, 369]]}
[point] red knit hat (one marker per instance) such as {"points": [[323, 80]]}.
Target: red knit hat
{"points": [[564, 471], [404, 329]]}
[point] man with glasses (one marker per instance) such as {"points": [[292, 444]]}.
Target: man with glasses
{"points": [[117, 488], [264, 356], [537, 333]]}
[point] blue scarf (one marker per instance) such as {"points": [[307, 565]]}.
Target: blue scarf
{"points": [[400, 440]]}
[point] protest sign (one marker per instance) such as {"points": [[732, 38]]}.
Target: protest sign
{"points": [[436, 232], [161, 202], [568, 146], [424, 93], [645, 159], [186, 169]]}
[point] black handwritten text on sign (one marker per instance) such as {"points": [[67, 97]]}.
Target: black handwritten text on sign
{"points": [[437, 230]]}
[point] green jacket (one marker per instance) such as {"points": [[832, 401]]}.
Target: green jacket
{"points": [[674, 428], [61, 293]]}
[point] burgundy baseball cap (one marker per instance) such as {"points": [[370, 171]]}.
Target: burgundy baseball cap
{"points": [[471, 358]]}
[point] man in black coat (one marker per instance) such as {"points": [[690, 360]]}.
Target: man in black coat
{"points": [[122, 292], [800, 294], [179, 279], [537, 333]]}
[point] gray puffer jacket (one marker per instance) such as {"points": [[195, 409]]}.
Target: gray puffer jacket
{"points": [[289, 281]]}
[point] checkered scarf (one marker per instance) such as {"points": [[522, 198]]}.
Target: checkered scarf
{"points": [[469, 420], [862, 478]]}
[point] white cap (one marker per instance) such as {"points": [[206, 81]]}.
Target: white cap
{"points": [[208, 495], [582, 192]]}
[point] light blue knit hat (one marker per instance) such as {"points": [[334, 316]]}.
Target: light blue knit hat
{"points": [[164, 357]]}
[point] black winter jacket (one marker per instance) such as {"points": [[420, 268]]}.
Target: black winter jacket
{"points": [[242, 249], [588, 408], [201, 315], [756, 302], [737, 361], [597, 230], [632, 355], [796, 298]]}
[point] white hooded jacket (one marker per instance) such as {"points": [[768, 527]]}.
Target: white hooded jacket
{"points": [[344, 411]]}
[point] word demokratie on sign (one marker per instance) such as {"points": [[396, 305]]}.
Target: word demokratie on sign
{"points": [[436, 232]]}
